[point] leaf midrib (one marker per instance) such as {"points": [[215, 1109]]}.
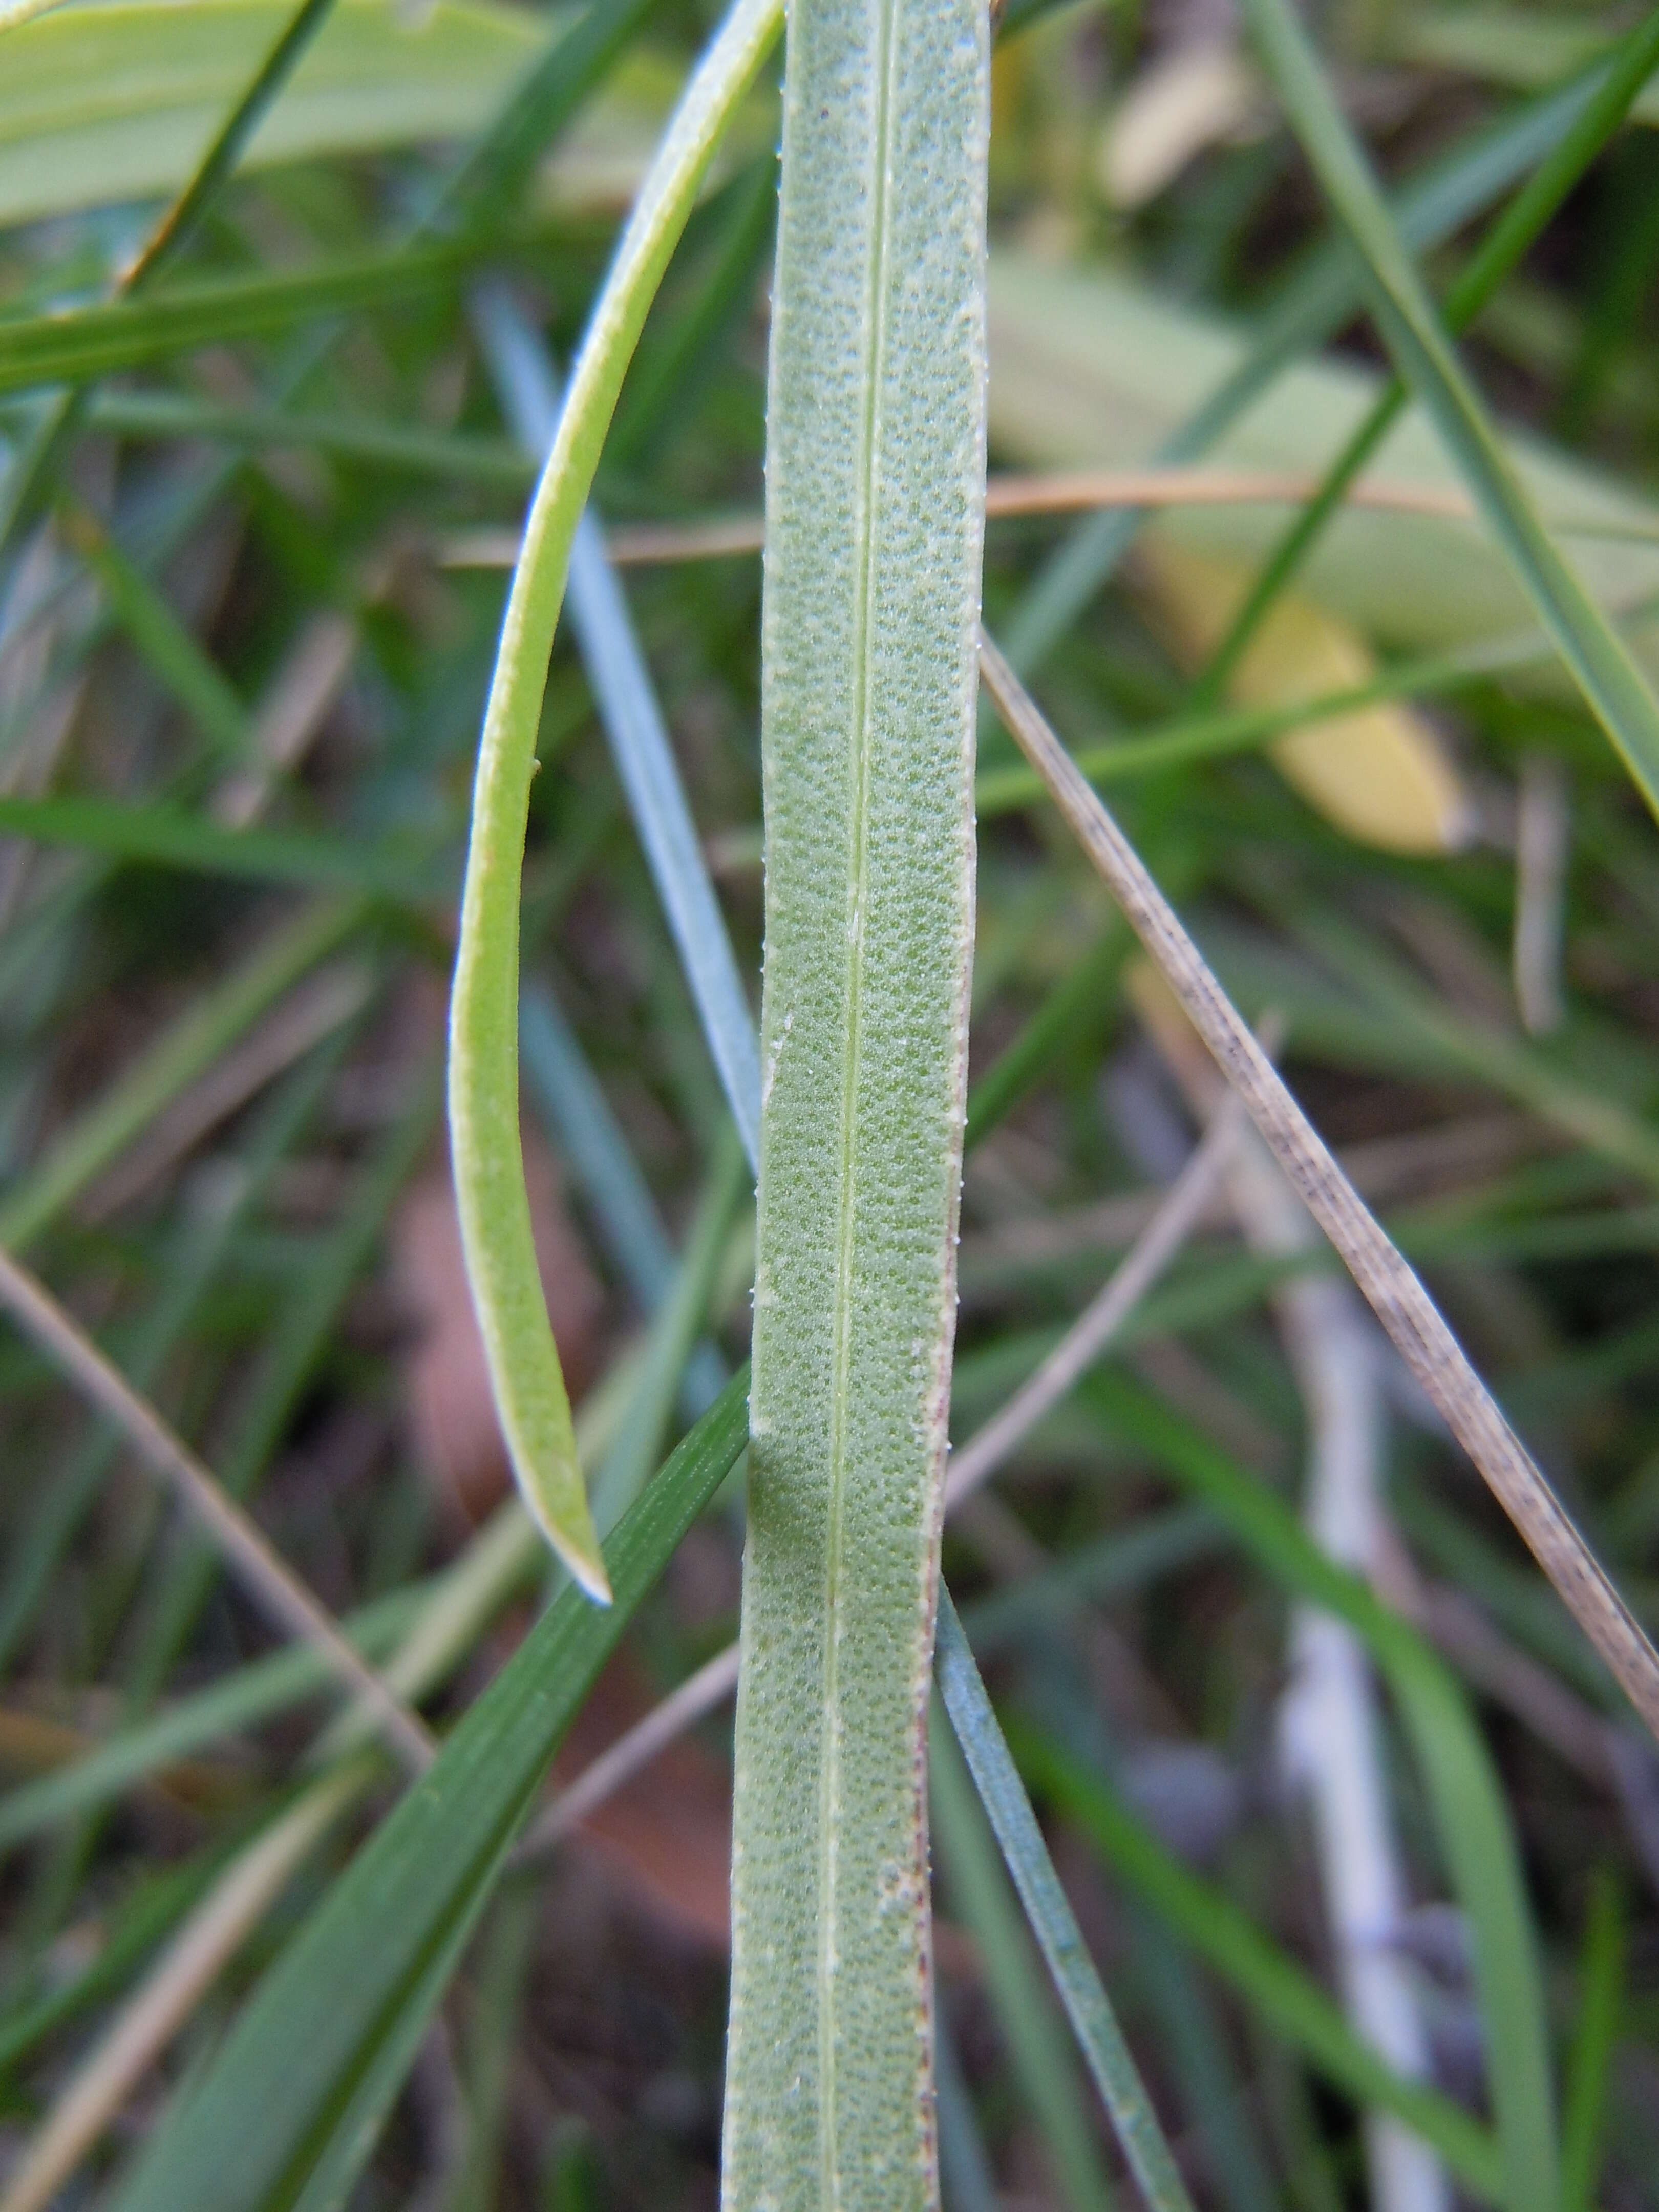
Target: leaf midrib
{"points": [[866, 497]]}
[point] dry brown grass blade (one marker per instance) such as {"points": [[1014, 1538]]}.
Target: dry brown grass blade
{"points": [[268, 1580], [1398, 1299], [1058, 491]]}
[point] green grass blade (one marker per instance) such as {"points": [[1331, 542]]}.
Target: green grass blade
{"points": [[29, 480], [1595, 2034], [874, 484], [1052, 1921], [190, 1269], [1079, 1003], [182, 1053], [1628, 70], [302, 1333], [979, 1892], [284, 2107], [675, 1326], [161, 834], [1286, 1997], [1471, 1814], [483, 1081], [168, 414], [171, 650], [666, 373], [1200, 737], [496, 172], [243, 1700], [213, 172], [1608, 677], [1312, 309], [78, 344]]}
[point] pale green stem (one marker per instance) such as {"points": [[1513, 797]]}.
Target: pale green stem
{"points": [[875, 484]]}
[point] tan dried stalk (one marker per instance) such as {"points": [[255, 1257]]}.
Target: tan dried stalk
{"points": [[1404, 1309]]}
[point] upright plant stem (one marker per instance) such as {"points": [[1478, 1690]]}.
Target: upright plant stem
{"points": [[875, 476]]}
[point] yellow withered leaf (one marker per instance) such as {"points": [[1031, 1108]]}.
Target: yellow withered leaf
{"points": [[1380, 774]]}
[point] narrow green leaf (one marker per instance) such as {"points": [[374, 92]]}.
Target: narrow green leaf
{"points": [[979, 1891], [249, 1695], [1609, 679], [165, 836], [1595, 2035], [1312, 308], [1052, 1920], [289, 2107], [188, 1272], [1628, 69], [182, 1053], [77, 343], [874, 489], [483, 1068], [171, 650], [1288, 1999], [1471, 1814], [167, 414], [1520, 46], [497, 171], [1079, 1005]]}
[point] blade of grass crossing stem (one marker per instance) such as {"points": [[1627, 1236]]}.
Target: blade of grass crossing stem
{"points": [[978, 1891], [483, 1084], [1314, 306], [218, 1017], [634, 726], [680, 1320], [874, 497], [1052, 1921], [1471, 1812], [1612, 684], [1628, 70], [1601, 1966], [287, 2110], [1286, 1998]]}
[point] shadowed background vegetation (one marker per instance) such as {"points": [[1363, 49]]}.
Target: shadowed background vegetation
{"points": [[283, 302]]}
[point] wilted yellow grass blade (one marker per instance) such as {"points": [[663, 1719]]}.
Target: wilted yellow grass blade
{"points": [[1380, 774]]}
